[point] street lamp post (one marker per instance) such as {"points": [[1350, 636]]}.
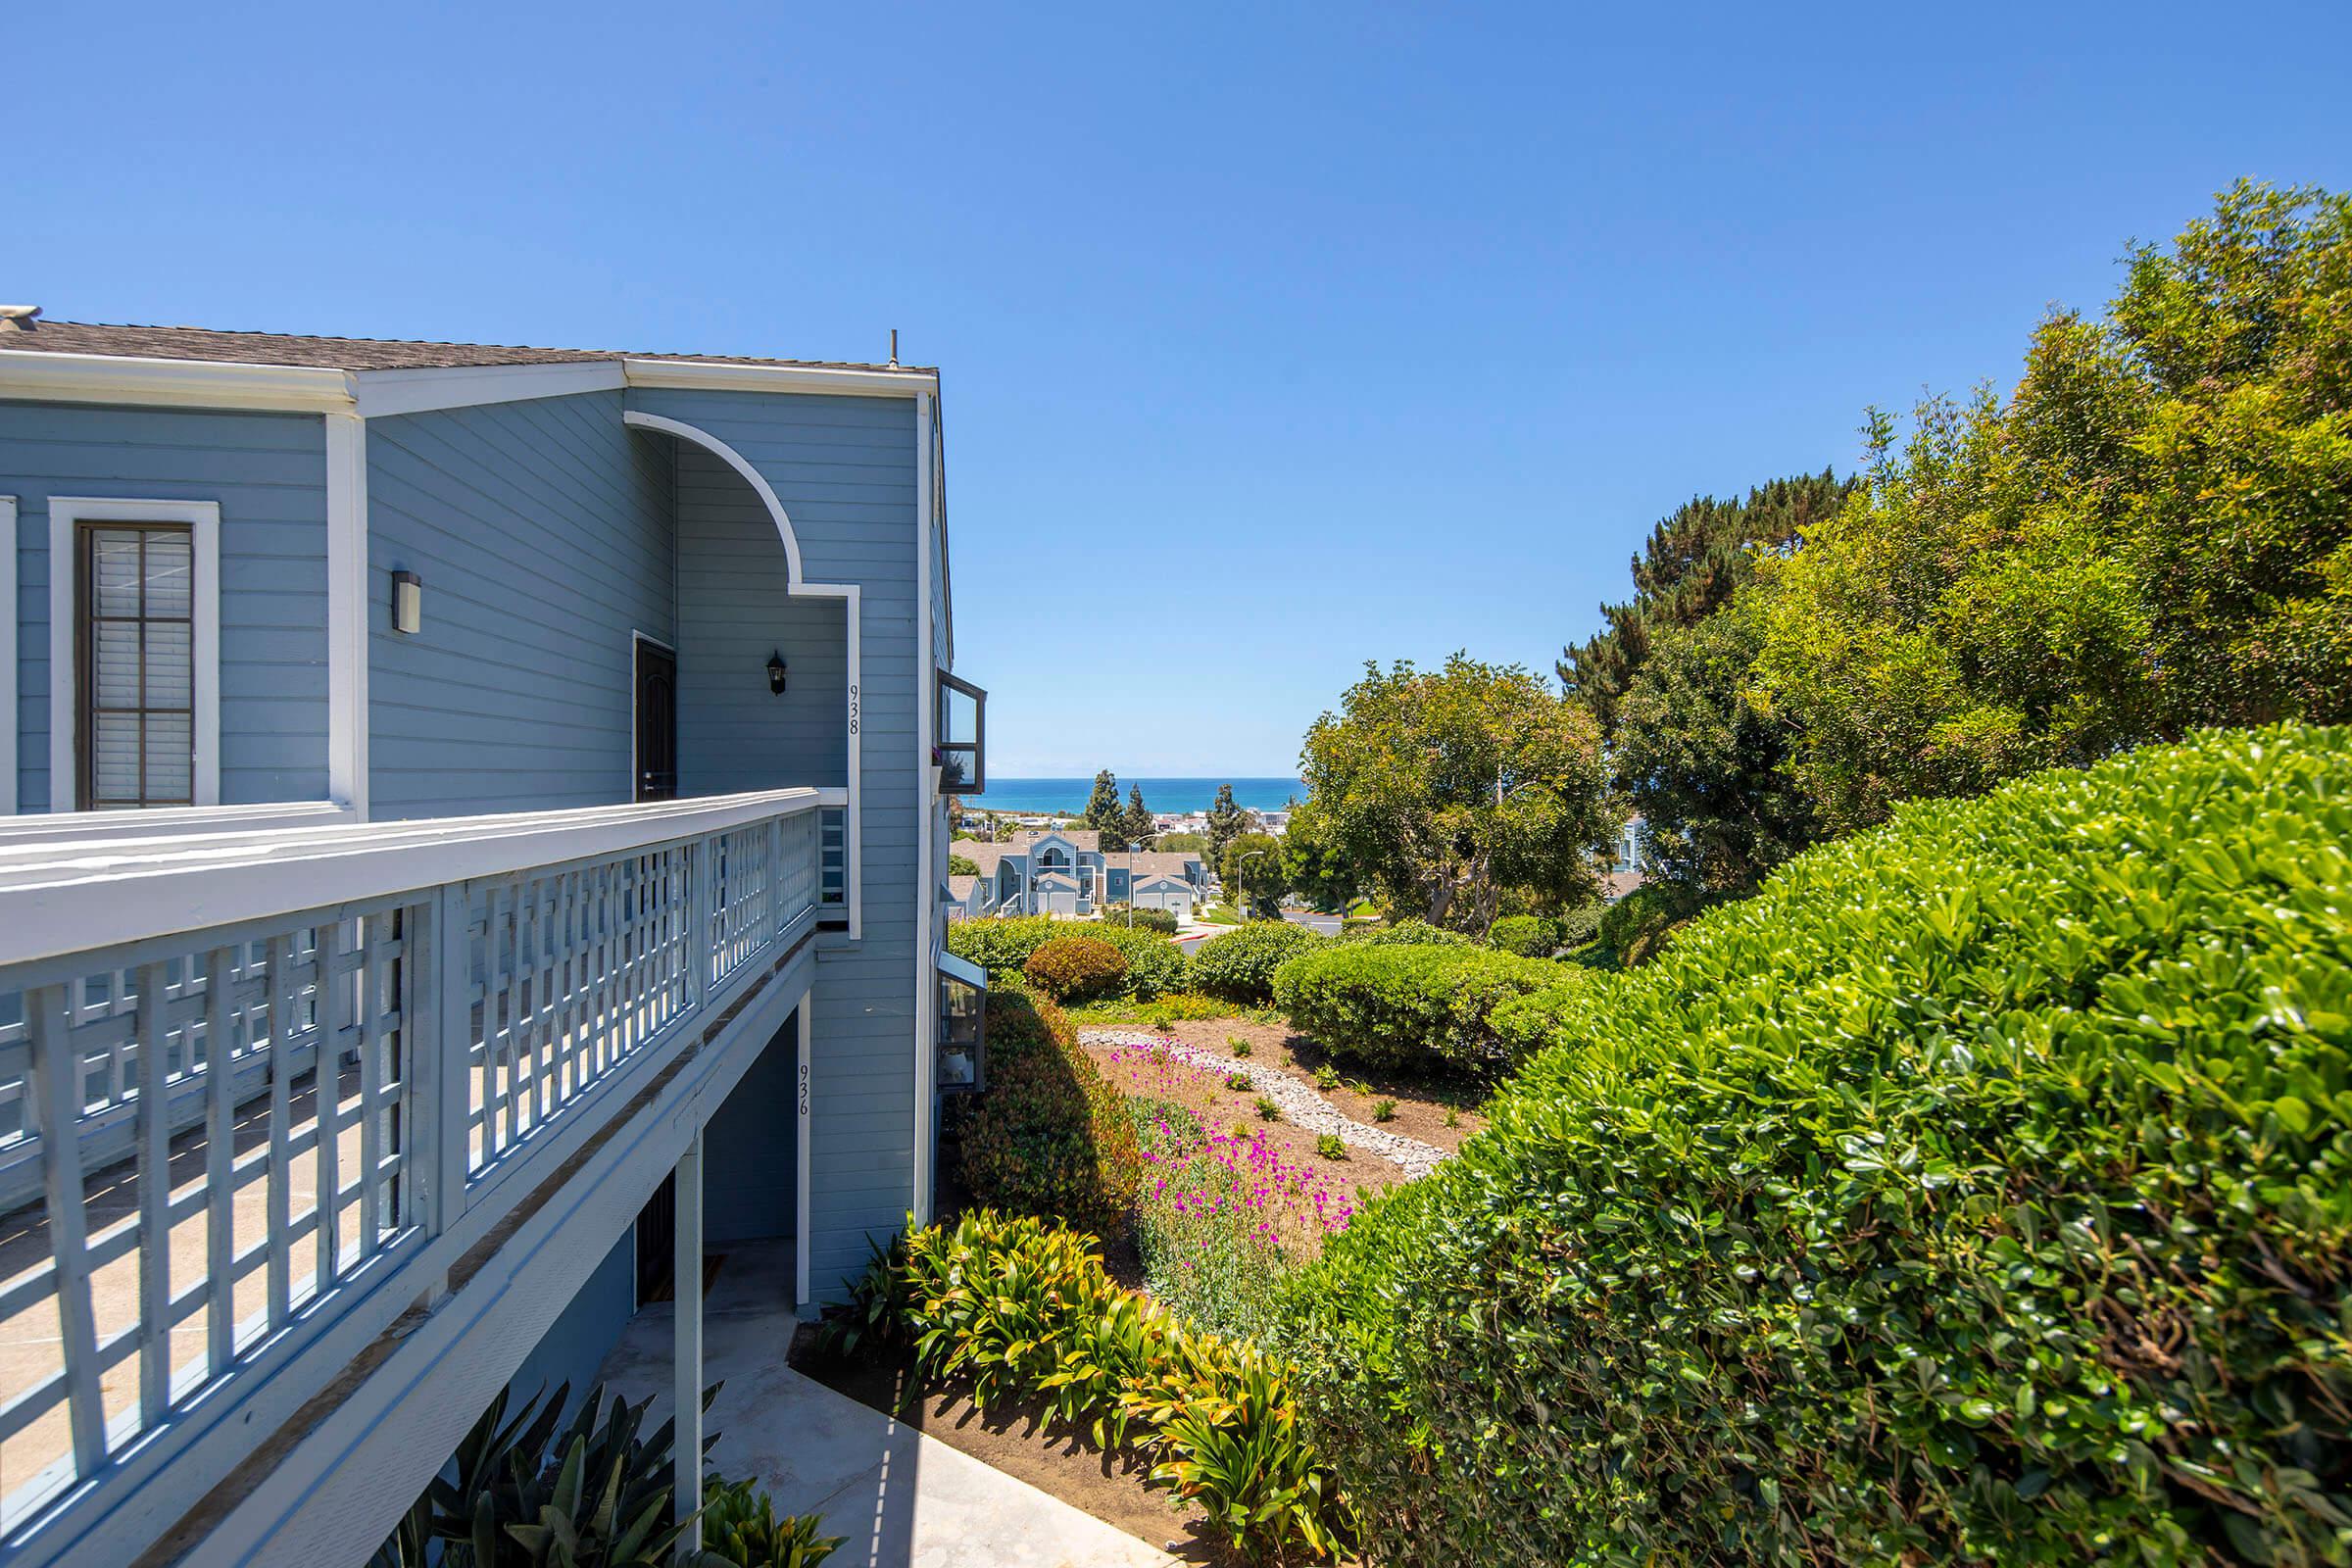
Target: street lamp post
{"points": [[1241, 877]]}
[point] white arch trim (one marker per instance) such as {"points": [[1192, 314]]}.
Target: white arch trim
{"points": [[741, 464], [852, 871]]}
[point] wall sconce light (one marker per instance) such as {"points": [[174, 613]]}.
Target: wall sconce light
{"points": [[408, 603], [776, 673]]}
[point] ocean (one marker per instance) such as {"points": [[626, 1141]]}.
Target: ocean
{"points": [[1159, 794]]}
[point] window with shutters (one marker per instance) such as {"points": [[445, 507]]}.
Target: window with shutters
{"points": [[137, 729]]}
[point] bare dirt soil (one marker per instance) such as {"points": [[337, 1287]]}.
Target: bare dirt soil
{"points": [[1423, 1107]]}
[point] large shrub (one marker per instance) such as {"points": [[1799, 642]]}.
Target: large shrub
{"points": [[1240, 965], [1530, 936], [1635, 928], [1405, 934], [1147, 918], [1980, 1192], [1048, 1136], [1002, 944], [1422, 1007], [1077, 968], [1155, 965]]}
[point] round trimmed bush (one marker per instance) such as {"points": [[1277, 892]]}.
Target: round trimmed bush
{"points": [[1422, 1007], [1239, 967], [1978, 1192], [1155, 965], [1530, 936], [1636, 926], [1048, 1137], [1077, 968]]}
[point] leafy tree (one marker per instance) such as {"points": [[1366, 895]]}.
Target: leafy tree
{"points": [[1445, 788], [1312, 862], [1695, 559], [1226, 821], [963, 865], [1705, 768], [2152, 533], [1135, 823], [1184, 844], [1102, 812], [1253, 866]]}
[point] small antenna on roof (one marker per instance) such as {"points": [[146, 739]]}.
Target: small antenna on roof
{"points": [[894, 348]]}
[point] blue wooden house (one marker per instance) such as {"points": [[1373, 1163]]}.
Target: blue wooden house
{"points": [[471, 841]]}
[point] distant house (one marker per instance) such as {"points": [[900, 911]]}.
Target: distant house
{"points": [[970, 898], [1624, 871], [1066, 872]]}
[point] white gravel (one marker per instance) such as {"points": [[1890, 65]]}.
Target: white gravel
{"points": [[1298, 1100]]}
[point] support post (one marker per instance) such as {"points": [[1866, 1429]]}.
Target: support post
{"points": [[686, 1265]]}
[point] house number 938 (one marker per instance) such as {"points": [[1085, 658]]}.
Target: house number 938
{"points": [[853, 707]]}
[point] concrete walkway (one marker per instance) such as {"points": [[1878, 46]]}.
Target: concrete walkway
{"points": [[902, 1499]]}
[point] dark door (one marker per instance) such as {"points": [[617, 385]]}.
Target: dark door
{"points": [[656, 1243], [657, 723]]}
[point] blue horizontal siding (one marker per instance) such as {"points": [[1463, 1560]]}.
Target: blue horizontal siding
{"points": [[268, 474], [543, 531]]}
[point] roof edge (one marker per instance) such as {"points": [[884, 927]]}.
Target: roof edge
{"points": [[52, 376]]}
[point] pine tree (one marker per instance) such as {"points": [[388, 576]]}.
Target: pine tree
{"points": [[1695, 560], [1103, 808], [1135, 826], [1226, 822]]}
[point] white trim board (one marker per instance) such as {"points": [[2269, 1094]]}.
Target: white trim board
{"points": [[926, 806], [203, 521], [797, 586], [347, 719], [42, 375], [11, 699]]}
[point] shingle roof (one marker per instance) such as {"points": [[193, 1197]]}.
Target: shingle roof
{"points": [[344, 353]]}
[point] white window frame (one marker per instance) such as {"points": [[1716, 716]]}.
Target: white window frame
{"points": [[202, 518]]}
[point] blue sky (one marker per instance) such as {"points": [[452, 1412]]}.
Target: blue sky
{"points": [[1274, 339]]}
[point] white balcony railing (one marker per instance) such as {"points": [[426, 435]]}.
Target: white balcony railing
{"points": [[241, 1069]]}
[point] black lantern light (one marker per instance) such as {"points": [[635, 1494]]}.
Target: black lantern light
{"points": [[776, 673]]}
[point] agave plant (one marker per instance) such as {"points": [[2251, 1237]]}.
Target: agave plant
{"points": [[740, 1527], [509, 1470]]}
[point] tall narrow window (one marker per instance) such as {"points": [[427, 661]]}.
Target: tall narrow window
{"points": [[137, 724]]}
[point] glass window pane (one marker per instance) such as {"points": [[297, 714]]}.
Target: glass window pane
{"points": [[115, 664], [114, 757], [170, 763], [171, 664], [170, 575], [114, 571]]}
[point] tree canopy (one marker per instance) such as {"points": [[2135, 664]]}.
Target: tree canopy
{"points": [[1226, 821], [1695, 559], [1444, 788], [1102, 812], [2153, 532], [1253, 866], [1136, 824]]}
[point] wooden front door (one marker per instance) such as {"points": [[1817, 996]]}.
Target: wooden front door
{"points": [[657, 723]]}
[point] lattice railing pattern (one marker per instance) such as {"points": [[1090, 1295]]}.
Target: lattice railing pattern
{"points": [[144, 1277], [202, 1135]]}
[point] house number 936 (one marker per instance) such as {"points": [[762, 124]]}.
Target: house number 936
{"points": [[804, 1088]]}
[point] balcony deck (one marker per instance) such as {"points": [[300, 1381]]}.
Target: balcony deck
{"points": [[492, 997]]}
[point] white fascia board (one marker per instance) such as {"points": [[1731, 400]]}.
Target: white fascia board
{"points": [[189, 384], [714, 376], [385, 392]]}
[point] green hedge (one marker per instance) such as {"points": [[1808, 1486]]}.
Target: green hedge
{"points": [[1048, 1136], [1978, 1192], [1404, 933], [1240, 965], [1002, 944], [1422, 1007], [1635, 928]]}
